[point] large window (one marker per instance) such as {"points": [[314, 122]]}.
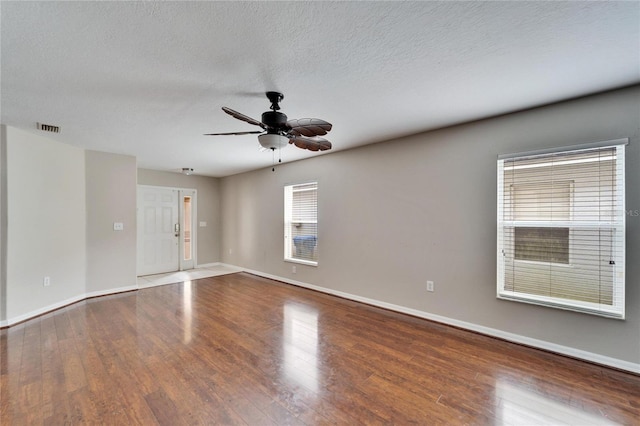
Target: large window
{"points": [[301, 223], [561, 229]]}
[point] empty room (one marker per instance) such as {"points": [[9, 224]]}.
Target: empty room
{"points": [[316, 212]]}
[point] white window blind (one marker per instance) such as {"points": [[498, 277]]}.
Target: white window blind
{"points": [[561, 229], [301, 223]]}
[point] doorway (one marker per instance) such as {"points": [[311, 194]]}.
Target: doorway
{"points": [[166, 231]]}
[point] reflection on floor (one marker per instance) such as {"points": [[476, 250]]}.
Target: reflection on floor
{"points": [[181, 276]]}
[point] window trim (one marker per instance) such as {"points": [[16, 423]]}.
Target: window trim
{"points": [[617, 225], [603, 144]]}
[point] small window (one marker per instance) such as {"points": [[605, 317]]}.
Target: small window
{"points": [[561, 229], [301, 223]]}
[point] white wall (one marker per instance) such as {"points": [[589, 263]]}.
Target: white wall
{"points": [[208, 207], [396, 214], [57, 208], [111, 197], [46, 222]]}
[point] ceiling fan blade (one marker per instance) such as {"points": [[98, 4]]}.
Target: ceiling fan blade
{"points": [[311, 143], [233, 133], [239, 116], [308, 127]]}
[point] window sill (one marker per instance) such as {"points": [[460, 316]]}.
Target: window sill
{"points": [[575, 306], [301, 262]]}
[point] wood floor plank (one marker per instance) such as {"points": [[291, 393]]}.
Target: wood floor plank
{"points": [[163, 408], [244, 350], [12, 349]]}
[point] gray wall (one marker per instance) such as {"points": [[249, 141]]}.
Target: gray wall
{"points": [[396, 214], [208, 208], [111, 197], [3, 223]]}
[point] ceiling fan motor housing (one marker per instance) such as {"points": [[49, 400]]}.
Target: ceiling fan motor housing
{"points": [[275, 120]]}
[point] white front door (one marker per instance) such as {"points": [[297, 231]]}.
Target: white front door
{"points": [[158, 230]]}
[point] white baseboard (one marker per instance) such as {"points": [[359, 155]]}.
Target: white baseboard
{"points": [[208, 265], [511, 337], [61, 304], [150, 284], [20, 318], [110, 291], [44, 310]]}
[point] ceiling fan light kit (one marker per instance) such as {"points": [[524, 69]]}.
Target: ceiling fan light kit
{"points": [[277, 131], [273, 141]]}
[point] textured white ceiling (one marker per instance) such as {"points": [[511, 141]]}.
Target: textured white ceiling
{"points": [[149, 78]]}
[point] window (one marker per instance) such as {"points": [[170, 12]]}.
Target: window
{"points": [[301, 223], [561, 229]]}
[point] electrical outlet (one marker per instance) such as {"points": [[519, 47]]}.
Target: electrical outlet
{"points": [[230, 251], [293, 269], [46, 281], [118, 226], [430, 286]]}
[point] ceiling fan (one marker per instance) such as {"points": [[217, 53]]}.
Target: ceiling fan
{"points": [[277, 131]]}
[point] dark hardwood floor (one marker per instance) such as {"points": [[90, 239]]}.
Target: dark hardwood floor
{"points": [[239, 349]]}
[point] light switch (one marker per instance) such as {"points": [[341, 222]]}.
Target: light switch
{"points": [[203, 224], [118, 226]]}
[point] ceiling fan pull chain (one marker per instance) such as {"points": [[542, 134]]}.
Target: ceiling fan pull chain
{"points": [[273, 159]]}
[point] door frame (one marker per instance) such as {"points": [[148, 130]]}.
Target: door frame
{"points": [[193, 193]]}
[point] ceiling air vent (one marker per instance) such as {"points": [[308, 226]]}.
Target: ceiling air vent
{"points": [[48, 128]]}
